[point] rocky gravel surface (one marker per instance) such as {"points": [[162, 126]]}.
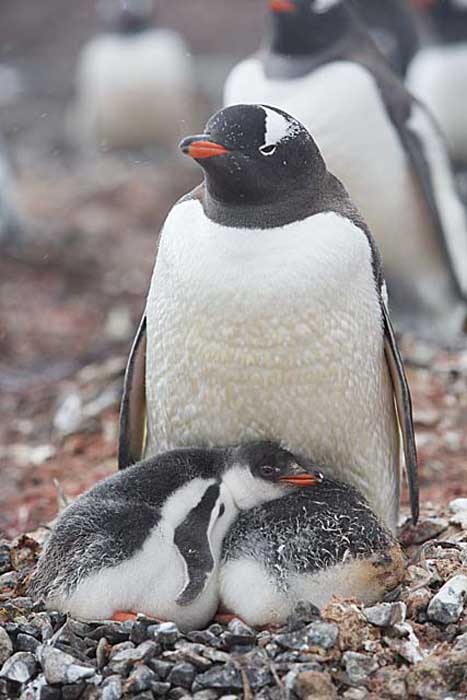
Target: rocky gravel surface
{"points": [[412, 647]]}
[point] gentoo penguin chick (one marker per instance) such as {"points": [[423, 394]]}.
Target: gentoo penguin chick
{"points": [[438, 74], [134, 85], [393, 28], [310, 545], [322, 67], [148, 539], [11, 228], [266, 317]]}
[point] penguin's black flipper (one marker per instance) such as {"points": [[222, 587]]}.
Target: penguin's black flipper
{"points": [[192, 540], [403, 403], [132, 430]]}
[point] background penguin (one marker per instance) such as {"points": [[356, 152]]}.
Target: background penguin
{"points": [[266, 317], [392, 26], [322, 67], [149, 539], [438, 74], [11, 226], [134, 86], [309, 546]]}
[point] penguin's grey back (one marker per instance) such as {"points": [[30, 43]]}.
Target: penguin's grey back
{"points": [[307, 531]]}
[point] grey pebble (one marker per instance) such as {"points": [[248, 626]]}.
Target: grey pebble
{"points": [[386, 614], [166, 633], [178, 694], [112, 688], [358, 666], [204, 637], [461, 643], [303, 613], [20, 667], [159, 688], [24, 642], [6, 646], [125, 658], [161, 668], [73, 691], [60, 667], [209, 694], [322, 634], [226, 677], [141, 678], [102, 652], [115, 632], [448, 603], [290, 678], [183, 675], [5, 559], [356, 694]]}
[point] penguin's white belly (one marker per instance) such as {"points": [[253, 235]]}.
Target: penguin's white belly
{"points": [[249, 589], [341, 106], [272, 333], [438, 77], [133, 90]]}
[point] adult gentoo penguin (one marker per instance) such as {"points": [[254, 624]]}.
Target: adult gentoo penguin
{"points": [[392, 26], [148, 539], [310, 546], [266, 317], [134, 85], [322, 67], [438, 74]]}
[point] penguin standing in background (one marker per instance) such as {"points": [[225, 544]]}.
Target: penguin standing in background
{"points": [[266, 317], [134, 85], [11, 227], [322, 67], [438, 74], [148, 539], [393, 28], [311, 545]]}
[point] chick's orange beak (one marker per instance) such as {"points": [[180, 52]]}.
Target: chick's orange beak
{"points": [[199, 147], [281, 5], [302, 478]]}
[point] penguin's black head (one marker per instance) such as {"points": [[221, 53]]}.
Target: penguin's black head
{"points": [[255, 155], [135, 16], [270, 462], [303, 27]]}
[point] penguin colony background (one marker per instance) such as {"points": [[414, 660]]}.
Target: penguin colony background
{"points": [[266, 423]]}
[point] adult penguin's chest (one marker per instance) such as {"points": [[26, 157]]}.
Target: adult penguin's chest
{"points": [[271, 333]]}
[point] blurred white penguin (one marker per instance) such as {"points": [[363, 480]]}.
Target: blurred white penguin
{"points": [[134, 85], [11, 230], [438, 74]]}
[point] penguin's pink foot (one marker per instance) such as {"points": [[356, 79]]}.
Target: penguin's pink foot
{"points": [[225, 618], [121, 616]]}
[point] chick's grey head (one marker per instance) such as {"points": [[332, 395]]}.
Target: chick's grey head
{"points": [[303, 27], [258, 472], [254, 155]]}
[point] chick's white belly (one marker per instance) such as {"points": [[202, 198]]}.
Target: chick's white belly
{"points": [[149, 582]]}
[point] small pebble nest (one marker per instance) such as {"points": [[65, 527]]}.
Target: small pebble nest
{"points": [[414, 646]]}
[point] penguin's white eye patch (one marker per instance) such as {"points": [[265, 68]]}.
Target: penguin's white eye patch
{"points": [[322, 6], [268, 150]]}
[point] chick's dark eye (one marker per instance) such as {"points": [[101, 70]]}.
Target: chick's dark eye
{"points": [[268, 150], [221, 510], [267, 471]]}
